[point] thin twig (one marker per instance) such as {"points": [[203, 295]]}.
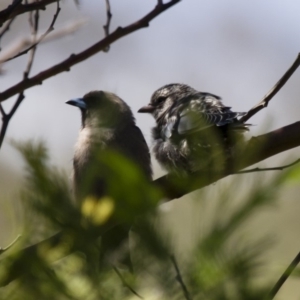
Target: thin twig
{"points": [[6, 117], [284, 276], [179, 279], [34, 24], [269, 144], [2, 250], [268, 169], [279, 140], [9, 10], [24, 42], [77, 58], [17, 8], [108, 19], [125, 283], [276, 88], [33, 21], [2, 110], [72, 60], [51, 28]]}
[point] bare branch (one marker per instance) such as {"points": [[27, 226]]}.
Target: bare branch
{"points": [[256, 150], [281, 168], [77, 58], [6, 117], [180, 280], [34, 29], [126, 284], [33, 21], [284, 276], [73, 59], [9, 10], [2, 250], [17, 8], [2, 110], [41, 37], [108, 19], [23, 43], [269, 144], [276, 88]]}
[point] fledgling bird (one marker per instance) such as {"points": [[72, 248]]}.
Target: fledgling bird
{"points": [[192, 128], [107, 123]]}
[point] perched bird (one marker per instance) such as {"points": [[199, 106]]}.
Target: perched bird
{"points": [[107, 123], [192, 128]]}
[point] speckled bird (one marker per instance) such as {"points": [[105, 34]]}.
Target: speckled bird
{"points": [[192, 128]]}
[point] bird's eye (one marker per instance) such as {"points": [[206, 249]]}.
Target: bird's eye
{"points": [[160, 99]]}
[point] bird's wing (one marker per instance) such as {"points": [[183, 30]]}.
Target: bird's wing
{"points": [[191, 122], [203, 111]]}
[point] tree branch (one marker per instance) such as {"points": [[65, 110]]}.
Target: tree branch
{"points": [[257, 149], [179, 279], [34, 22], [269, 169], [17, 8], [21, 44], [276, 88], [108, 19], [125, 284], [6, 117], [284, 276], [33, 46], [77, 58], [2, 250]]}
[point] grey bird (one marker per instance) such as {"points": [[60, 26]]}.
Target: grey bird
{"points": [[107, 123], [194, 130]]}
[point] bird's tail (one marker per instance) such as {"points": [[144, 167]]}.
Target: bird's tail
{"points": [[240, 126]]}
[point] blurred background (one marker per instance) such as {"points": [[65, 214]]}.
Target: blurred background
{"points": [[235, 49]]}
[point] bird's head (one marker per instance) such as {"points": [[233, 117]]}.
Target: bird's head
{"points": [[165, 97], [102, 109]]}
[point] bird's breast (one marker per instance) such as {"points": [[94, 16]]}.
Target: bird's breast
{"points": [[83, 142], [83, 149]]}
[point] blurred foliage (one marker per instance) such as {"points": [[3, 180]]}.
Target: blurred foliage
{"points": [[223, 264]]}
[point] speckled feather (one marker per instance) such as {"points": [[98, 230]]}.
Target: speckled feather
{"points": [[186, 120]]}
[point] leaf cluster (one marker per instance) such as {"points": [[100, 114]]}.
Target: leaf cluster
{"points": [[223, 264]]}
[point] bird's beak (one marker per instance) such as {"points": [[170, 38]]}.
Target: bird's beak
{"points": [[147, 109], [79, 102]]}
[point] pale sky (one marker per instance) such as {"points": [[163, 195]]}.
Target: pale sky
{"points": [[235, 49]]}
